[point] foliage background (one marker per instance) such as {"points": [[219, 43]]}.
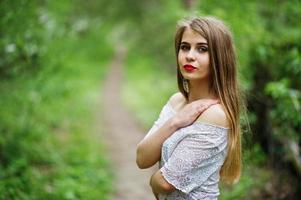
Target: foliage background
{"points": [[52, 62], [51, 53]]}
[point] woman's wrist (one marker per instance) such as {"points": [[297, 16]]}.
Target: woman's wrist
{"points": [[173, 125]]}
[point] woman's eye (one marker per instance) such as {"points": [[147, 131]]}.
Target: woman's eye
{"points": [[202, 49], [184, 47]]}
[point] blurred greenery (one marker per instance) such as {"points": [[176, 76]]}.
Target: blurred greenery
{"points": [[52, 58], [51, 67]]}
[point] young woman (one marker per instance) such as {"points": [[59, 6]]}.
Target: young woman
{"points": [[197, 136]]}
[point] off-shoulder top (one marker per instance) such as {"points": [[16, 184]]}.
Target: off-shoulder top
{"points": [[191, 158]]}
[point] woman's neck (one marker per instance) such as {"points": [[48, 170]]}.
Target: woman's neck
{"points": [[199, 90]]}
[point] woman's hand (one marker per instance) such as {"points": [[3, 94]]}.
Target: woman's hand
{"points": [[156, 195], [189, 113], [149, 149]]}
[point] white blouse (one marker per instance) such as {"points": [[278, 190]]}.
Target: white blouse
{"points": [[191, 158]]}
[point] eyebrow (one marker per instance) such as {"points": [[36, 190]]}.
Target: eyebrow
{"points": [[199, 43]]}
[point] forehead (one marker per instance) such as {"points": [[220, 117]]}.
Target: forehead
{"points": [[192, 36]]}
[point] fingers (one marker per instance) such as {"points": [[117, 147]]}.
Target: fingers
{"points": [[210, 101], [202, 107], [203, 104], [215, 101], [191, 111], [207, 102]]}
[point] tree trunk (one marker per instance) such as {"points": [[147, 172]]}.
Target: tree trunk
{"points": [[189, 4], [259, 105]]}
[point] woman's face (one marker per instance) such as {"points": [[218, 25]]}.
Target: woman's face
{"points": [[193, 57]]}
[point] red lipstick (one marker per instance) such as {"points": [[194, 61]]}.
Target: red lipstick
{"points": [[189, 68]]}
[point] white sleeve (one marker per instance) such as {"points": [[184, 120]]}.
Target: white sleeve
{"points": [[194, 160]]}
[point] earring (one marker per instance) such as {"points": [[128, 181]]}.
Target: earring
{"points": [[185, 85]]}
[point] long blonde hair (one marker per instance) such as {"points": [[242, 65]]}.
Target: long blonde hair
{"points": [[223, 83]]}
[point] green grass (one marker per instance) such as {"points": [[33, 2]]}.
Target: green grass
{"points": [[147, 87], [49, 147]]}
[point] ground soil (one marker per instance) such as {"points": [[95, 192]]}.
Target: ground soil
{"points": [[121, 133]]}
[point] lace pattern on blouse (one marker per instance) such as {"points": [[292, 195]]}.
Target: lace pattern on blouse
{"points": [[191, 158]]}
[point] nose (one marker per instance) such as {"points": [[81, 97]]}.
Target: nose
{"points": [[190, 56]]}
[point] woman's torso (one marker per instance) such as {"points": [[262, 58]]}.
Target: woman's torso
{"points": [[209, 188]]}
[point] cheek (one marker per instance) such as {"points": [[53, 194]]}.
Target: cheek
{"points": [[204, 60]]}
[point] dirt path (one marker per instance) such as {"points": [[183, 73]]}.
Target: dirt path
{"points": [[121, 137]]}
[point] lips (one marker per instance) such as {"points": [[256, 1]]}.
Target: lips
{"points": [[189, 68]]}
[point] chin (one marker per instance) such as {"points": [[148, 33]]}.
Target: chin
{"points": [[191, 76]]}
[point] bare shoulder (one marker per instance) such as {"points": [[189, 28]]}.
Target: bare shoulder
{"points": [[177, 100], [214, 115]]}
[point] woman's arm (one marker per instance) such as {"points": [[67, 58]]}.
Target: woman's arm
{"points": [[160, 185], [149, 149]]}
